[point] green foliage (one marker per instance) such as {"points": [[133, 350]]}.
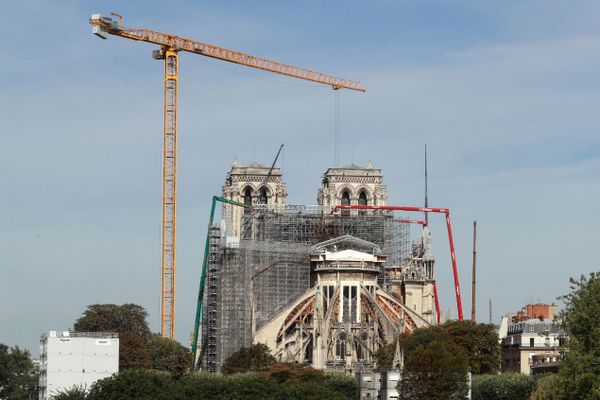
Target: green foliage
{"points": [[114, 318], [547, 388], [309, 391], [133, 353], [250, 386], [136, 384], [507, 386], [76, 392], [579, 372], [343, 384], [294, 373], [168, 355], [479, 342], [254, 358], [18, 378], [384, 356], [437, 370], [204, 385], [146, 385], [138, 349]]}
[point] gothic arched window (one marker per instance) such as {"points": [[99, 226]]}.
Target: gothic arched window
{"points": [[262, 196], [247, 198], [362, 199], [345, 198], [345, 202]]}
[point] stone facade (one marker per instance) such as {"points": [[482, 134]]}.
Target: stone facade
{"points": [[531, 340], [251, 184], [413, 281], [352, 185], [346, 316]]}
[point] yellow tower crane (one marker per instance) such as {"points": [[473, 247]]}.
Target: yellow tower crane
{"points": [[170, 46]]}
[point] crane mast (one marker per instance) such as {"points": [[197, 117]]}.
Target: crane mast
{"points": [[170, 46]]}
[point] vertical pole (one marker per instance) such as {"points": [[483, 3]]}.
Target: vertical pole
{"points": [[454, 268], [474, 283], [426, 199], [169, 196]]}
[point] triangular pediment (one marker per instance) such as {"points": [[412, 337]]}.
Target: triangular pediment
{"points": [[347, 242]]}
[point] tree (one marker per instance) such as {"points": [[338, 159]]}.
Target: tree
{"points": [[18, 377], [168, 355], [384, 357], [579, 371], [479, 342], [114, 318], [133, 353], [437, 370], [129, 321], [254, 358]]}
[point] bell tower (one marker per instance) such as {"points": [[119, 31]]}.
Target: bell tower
{"points": [[353, 185], [251, 184]]}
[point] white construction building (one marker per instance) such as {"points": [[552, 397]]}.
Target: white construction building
{"points": [[69, 359]]}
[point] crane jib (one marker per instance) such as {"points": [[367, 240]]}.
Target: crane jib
{"points": [[105, 25]]}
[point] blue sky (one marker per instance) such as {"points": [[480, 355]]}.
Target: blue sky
{"points": [[504, 94]]}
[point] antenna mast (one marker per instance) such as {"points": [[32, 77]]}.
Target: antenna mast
{"points": [[473, 288], [426, 201]]}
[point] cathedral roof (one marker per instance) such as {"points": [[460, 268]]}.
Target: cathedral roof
{"points": [[254, 168], [353, 169]]}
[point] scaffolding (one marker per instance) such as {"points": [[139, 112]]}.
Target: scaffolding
{"points": [[252, 280]]}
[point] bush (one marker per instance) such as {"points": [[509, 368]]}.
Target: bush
{"points": [[294, 373], [308, 391], [249, 386], [300, 383], [136, 384], [507, 386]]}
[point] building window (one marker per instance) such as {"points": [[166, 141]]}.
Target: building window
{"points": [[345, 198], [362, 199], [531, 342], [349, 305], [247, 199], [340, 347], [262, 196], [345, 202]]}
